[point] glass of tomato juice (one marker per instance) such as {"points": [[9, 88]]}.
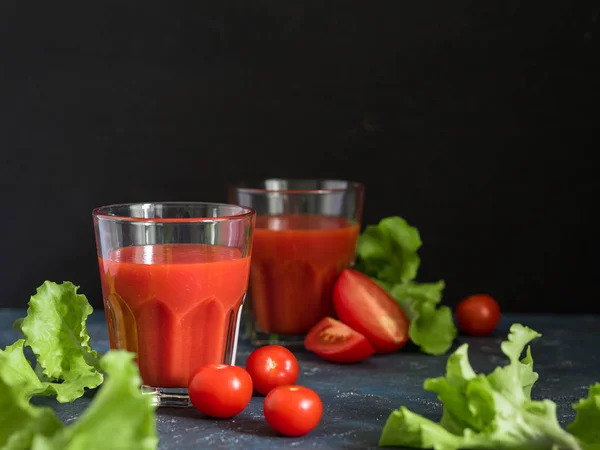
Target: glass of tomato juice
{"points": [[306, 234], [174, 277]]}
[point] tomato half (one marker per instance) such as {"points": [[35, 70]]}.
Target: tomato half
{"points": [[478, 315], [293, 410], [335, 341], [271, 366], [366, 307], [219, 390]]}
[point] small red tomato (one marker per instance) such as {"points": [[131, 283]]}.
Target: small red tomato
{"points": [[478, 315], [334, 341], [219, 390], [271, 366], [293, 410]]}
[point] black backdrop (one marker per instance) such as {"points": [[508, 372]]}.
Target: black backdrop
{"points": [[474, 120]]}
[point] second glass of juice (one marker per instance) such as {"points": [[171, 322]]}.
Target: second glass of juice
{"points": [[174, 277], [306, 234]]}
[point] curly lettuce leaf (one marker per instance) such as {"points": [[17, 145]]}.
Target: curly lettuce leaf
{"points": [[17, 372], [388, 251], [520, 371], [405, 428], [21, 422], [431, 326], [55, 329], [119, 417], [484, 412], [586, 426]]}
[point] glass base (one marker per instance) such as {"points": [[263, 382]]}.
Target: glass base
{"points": [[169, 397], [259, 338]]}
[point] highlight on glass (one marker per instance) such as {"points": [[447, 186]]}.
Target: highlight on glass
{"points": [[174, 278], [306, 234]]}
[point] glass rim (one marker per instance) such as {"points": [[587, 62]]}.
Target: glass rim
{"points": [[351, 186], [245, 213]]}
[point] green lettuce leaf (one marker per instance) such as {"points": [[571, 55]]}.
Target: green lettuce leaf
{"points": [[119, 417], [484, 412], [55, 330], [17, 371], [586, 426], [21, 422], [431, 326], [388, 251], [405, 428], [518, 372]]}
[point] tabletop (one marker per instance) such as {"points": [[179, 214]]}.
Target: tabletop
{"points": [[358, 398]]}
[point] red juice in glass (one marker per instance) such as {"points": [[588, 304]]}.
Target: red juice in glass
{"points": [[174, 277], [306, 234], [296, 260], [173, 305]]}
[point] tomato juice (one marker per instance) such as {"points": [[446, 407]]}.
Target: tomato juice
{"points": [[296, 259], [174, 305]]}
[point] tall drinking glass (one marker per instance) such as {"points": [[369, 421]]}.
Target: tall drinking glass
{"points": [[174, 277], [306, 234]]}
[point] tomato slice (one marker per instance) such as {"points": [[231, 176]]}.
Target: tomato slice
{"points": [[334, 341], [367, 308]]}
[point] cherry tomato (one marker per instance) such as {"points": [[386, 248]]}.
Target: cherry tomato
{"points": [[219, 390], [293, 410], [478, 315], [335, 341], [367, 308], [271, 366]]}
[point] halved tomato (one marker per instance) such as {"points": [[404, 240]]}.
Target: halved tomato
{"points": [[334, 341], [367, 308]]}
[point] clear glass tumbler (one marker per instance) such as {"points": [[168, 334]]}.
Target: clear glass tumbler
{"points": [[174, 278], [306, 233]]}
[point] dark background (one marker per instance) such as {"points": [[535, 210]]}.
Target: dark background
{"points": [[474, 120]]}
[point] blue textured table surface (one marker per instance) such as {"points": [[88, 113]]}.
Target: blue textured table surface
{"points": [[359, 398]]}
